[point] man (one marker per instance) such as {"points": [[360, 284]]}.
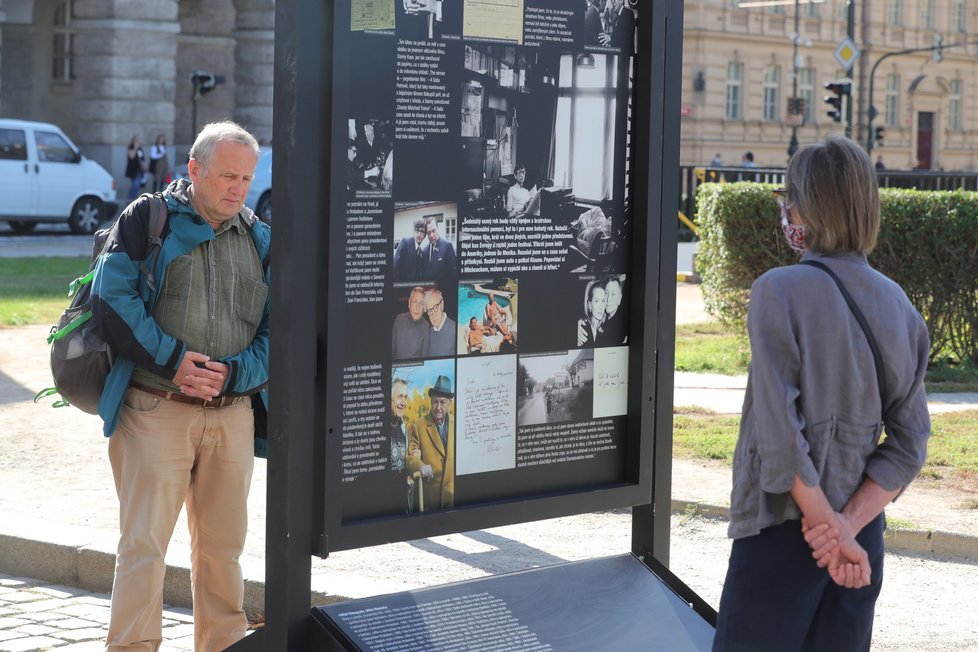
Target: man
{"points": [[442, 340], [399, 443], [177, 403], [410, 333], [622, 35], [410, 254], [440, 261], [592, 24], [518, 197], [431, 448]]}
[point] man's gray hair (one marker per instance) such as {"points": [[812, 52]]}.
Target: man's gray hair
{"points": [[203, 148]]}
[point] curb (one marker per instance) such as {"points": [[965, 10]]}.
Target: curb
{"points": [[85, 558], [897, 539]]}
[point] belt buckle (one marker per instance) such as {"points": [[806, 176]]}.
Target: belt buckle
{"points": [[212, 403]]}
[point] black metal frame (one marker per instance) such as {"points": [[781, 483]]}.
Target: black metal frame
{"points": [[301, 133]]}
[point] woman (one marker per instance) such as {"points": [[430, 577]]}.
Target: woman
{"points": [[159, 167], [811, 476], [614, 330], [135, 166], [595, 302]]}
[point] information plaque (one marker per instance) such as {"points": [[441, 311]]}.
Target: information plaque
{"points": [[487, 286], [615, 603]]}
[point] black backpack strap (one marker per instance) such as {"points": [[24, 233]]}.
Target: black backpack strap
{"points": [[157, 220], [858, 314]]}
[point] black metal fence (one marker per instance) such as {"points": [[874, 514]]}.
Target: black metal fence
{"points": [[692, 176]]}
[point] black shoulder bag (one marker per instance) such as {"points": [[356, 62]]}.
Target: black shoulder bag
{"points": [[877, 358]]}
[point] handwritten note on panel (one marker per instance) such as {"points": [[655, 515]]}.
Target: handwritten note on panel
{"points": [[486, 408]]}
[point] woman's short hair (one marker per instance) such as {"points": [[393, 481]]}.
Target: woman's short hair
{"points": [[833, 186], [203, 148]]}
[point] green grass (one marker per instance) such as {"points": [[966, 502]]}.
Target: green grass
{"points": [[710, 348], [35, 290], [952, 452]]}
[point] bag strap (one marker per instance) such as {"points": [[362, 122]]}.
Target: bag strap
{"points": [[157, 220], [858, 314]]}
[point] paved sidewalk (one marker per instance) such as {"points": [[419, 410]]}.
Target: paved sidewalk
{"points": [[38, 615], [68, 541]]}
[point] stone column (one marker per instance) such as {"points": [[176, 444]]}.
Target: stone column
{"points": [[254, 56], [125, 73]]}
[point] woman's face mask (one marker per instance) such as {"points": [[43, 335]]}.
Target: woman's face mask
{"points": [[793, 233]]}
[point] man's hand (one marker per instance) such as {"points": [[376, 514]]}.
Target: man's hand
{"points": [[199, 376], [426, 472], [604, 38]]}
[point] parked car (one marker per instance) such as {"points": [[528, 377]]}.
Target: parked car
{"points": [[259, 198], [44, 178]]}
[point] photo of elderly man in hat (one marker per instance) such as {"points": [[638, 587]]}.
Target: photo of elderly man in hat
{"points": [[431, 448]]}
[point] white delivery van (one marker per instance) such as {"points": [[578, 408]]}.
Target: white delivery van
{"points": [[44, 178]]}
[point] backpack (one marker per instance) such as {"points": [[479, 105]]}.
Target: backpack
{"points": [[80, 358]]}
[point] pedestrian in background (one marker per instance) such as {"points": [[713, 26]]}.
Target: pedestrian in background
{"points": [[159, 166], [135, 166], [178, 402], [811, 475]]}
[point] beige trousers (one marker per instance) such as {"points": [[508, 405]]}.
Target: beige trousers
{"points": [[165, 454]]}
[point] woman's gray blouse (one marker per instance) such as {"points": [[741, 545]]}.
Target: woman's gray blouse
{"points": [[812, 407]]}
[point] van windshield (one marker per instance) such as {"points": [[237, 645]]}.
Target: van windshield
{"points": [[51, 147]]}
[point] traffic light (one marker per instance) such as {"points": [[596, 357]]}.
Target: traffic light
{"points": [[837, 90], [205, 82], [938, 48], [878, 136]]}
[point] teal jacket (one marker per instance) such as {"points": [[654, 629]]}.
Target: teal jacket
{"points": [[123, 302]]}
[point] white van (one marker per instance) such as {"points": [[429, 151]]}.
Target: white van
{"points": [[44, 178]]}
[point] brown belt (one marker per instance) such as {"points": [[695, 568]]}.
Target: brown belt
{"points": [[220, 401]]}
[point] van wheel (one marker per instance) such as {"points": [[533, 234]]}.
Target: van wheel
{"points": [[21, 227], [86, 215], [264, 208]]}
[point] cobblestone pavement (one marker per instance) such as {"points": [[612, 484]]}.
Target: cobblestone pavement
{"points": [[36, 615]]}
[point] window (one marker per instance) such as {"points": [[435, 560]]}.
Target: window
{"points": [[894, 14], [772, 84], [735, 79], [585, 126], [62, 62], [811, 10], [927, 14], [13, 145], [52, 148], [806, 91], [958, 15], [892, 110], [954, 105]]}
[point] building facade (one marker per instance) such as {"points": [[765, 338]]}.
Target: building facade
{"points": [[106, 70], [739, 73]]}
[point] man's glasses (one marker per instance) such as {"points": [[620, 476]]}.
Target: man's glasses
{"points": [[432, 308], [781, 196]]}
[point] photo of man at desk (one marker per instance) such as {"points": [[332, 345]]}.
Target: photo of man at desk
{"points": [[542, 144]]}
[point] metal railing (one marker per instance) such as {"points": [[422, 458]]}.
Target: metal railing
{"points": [[693, 175]]}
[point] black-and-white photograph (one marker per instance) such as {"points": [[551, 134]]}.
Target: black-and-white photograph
{"points": [[542, 148], [370, 157], [610, 24], [424, 326], [555, 387], [604, 321]]}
